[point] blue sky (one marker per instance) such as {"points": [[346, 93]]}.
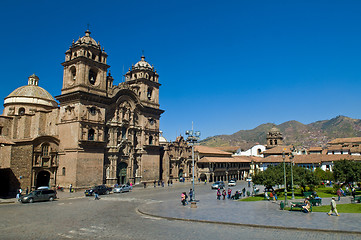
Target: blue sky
{"points": [[225, 65]]}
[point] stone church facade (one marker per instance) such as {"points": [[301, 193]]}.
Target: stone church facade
{"points": [[98, 133]]}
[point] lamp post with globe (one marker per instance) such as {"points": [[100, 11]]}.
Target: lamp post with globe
{"points": [[192, 138]]}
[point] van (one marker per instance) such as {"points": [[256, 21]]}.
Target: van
{"points": [[38, 195]]}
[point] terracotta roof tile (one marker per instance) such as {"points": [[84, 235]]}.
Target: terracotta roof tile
{"points": [[231, 149], [345, 140], [314, 149], [210, 150], [225, 160], [278, 150]]}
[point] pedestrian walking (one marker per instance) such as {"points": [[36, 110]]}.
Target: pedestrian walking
{"points": [[18, 195], [191, 195], [274, 195], [338, 193], [27, 191], [154, 183], [244, 192], [145, 184], [219, 194], [333, 207], [168, 182], [205, 181], [229, 193], [353, 192], [71, 188], [171, 182], [183, 198], [96, 195], [224, 193]]}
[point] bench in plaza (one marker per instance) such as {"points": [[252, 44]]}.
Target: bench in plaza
{"points": [[307, 194], [356, 199], [299, 206], [316, 201]]}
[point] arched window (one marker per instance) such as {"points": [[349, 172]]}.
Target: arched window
{"points": [[21, 111], [150, 140], [92, 77], [149, 93], [45, 150], [124, 133], [73, 73], [275, 141], [91, 134], [93, 111], [259, 151], [63, 171]]}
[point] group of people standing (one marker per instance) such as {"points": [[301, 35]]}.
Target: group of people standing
{"points": [[184, 197]]}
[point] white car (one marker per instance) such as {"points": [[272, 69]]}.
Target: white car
{"points": [[121, 189], [232, 183]]}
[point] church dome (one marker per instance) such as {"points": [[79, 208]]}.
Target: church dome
{"points": [[87, 39], [142, 64], [161, 138], [274, 130], [31, 94]]}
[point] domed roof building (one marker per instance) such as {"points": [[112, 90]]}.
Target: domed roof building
{"points": [[142, 64], [93, 133], [28, 99]]}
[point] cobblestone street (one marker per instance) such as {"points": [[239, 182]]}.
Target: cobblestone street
{"points": [[115, 216]]}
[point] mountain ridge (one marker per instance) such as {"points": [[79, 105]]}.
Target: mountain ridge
{"points": [[314, 134]]}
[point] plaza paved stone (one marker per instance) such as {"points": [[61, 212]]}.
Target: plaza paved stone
{"points": [[115, 216], [263, 213]]}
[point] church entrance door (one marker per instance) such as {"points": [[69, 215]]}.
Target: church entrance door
{"points": [[43, 179], [122, 173]]}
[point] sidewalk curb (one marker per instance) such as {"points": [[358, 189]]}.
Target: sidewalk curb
{"points": [[249, 225], [7, 202]]}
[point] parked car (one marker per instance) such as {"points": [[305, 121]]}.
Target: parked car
{"points": [[100, 189], [218, 184], [121, 189], [39, 195], [232, 183]]}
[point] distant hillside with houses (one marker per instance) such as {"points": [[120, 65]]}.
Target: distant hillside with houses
{"points": [[316, 134]]}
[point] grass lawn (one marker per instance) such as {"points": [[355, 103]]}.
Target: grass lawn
{"points": [[341, 208], [323, 192]]}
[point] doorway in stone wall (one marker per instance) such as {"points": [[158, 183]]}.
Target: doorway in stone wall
{"points": [[43, 179], [180, 175], [122, 173]]}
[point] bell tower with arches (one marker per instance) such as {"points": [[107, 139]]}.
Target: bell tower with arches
{"points": [[83, 102], [143, 79], [85, 67]]}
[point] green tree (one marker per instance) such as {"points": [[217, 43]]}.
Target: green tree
{"points": [[324, 175], [273, 175], [347, 171]]}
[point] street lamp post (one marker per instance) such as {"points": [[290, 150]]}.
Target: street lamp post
{"points": [[193, 136], [293, 191], [284, 173]]}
